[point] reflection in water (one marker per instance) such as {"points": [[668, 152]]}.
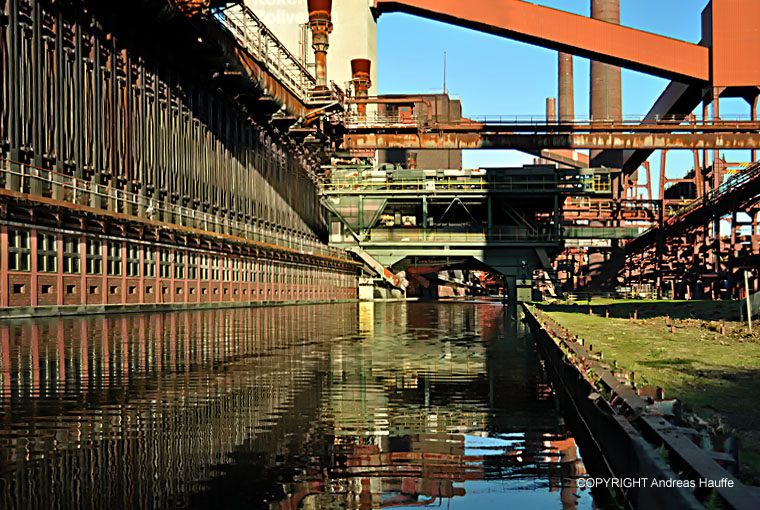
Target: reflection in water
{"points": [[314, 407]]}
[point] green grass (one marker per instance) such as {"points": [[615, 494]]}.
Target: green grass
{"points": [[716, 376]]}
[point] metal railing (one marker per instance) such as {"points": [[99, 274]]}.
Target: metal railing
{"points": [[712, 196], [355, 119], [496, 235], [448, 184], [464, 185], [263, 45], [80, 192]]}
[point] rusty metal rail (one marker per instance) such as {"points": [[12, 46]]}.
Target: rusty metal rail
{"points": [[467, 236], [724, 199], [540, 124], [490, 139]]}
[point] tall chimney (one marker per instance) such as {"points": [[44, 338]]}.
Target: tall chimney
{"points": [[360, 75], [320, 22], [566, 93], [606, 99]]}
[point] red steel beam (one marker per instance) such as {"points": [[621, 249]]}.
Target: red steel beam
{"points": [[571, 33], [537, 142]]}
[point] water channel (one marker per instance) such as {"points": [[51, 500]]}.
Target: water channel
{"points": [[316, 407]]}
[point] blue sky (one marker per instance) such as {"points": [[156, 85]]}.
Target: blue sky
{"points": [[497, 76]]}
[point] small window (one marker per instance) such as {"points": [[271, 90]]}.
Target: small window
{"points": [[47, 253], [204, 266], [114, 289], [46, 289], [132, 289], [149, 262], [149, 289], [133, 260], [179, 265], [72, 255], [165, 263], [19, 250], [94, 289], [19, 288], [71, 289], [94, 256], [192, 266], [115, 258]]}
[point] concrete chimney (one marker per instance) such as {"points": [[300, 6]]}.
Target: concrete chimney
{"points": [[606, 93], [566, 92]]}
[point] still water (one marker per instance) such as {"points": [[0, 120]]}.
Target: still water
{"points": [[316, 407]]}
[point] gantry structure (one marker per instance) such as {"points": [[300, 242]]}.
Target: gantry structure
{"points": [[701, 74]]}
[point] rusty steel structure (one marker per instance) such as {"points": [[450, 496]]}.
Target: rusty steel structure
{"points": [[701, 73], [216, 144], [136, 177]]}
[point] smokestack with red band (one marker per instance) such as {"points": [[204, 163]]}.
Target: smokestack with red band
{"points": [[566, 103], [360, 74], [320, 22]]}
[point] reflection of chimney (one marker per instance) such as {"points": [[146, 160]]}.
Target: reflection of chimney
{"points": [[320, 23], [360, 68], [606, 101], [566, 102]]}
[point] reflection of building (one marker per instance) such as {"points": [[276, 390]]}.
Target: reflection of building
{"points": [[277, 404], [117, 401], [411, 409]]}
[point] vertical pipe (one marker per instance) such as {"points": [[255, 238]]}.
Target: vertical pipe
{"points": [[566, 91], [606, 99]]}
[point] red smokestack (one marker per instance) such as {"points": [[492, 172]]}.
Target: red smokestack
{"points": [[320, 22], [360, 74]]}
